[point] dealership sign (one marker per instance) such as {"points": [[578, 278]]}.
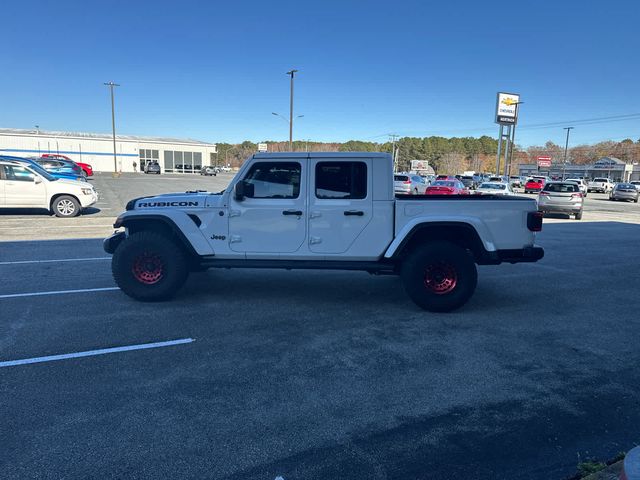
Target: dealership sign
{"points": [[507, 108], [419, 165], [262, 147], [544, 161]]}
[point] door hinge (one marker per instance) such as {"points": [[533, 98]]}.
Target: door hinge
{"points": [[315, 240]]}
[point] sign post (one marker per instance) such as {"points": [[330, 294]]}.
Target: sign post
{"points": [[506, 115]]}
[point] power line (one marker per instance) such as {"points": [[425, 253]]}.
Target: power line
{"points": [[584, 121]]}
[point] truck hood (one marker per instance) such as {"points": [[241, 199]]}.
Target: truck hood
{"points": [[186, 200]]}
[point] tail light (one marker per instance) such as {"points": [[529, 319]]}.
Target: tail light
{"points": [[534, 221], [576, 195], [407, 182]]}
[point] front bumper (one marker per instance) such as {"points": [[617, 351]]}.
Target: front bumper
{"points": [[88, 200], [111, 243]]}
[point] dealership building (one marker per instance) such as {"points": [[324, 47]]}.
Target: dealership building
{"points": [[174, 155], [609, 167]]}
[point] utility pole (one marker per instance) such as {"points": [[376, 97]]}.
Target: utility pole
{"points": [[113, 124], [566, 145], [291, 73]]}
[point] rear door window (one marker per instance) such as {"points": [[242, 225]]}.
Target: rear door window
{"points": [[341, 180]]}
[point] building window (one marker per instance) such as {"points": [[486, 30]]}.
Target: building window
{"points": [[182, 162], [147, 155], [341, 180], [168, 161]]}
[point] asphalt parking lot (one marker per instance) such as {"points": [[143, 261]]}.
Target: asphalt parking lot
{"points": [[323, 375]]}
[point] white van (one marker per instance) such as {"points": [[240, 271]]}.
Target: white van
{"points": [[26, 185]]}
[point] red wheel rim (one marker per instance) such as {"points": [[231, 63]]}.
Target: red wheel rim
{"points": [[440, 278], [148, 268]]}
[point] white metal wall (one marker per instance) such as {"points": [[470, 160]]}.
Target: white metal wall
{"points": [[97, 152]]}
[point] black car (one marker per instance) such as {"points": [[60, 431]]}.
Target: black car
{"points": [[152, 167], [468, 182]]}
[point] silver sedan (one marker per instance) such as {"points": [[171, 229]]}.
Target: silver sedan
{"points": [[624, 191]]}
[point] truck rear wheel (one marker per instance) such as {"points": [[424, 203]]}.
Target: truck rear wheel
{"points": [[148, 266], [439, 277]]}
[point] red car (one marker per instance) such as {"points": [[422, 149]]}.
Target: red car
{"points": [[534, 185], [88, 169], [447, 187]]}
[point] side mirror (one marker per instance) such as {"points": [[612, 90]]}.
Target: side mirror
{"points": [[37, 179], [244, 190]]}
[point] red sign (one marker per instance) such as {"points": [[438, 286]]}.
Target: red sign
{"points": [[544, 161]]}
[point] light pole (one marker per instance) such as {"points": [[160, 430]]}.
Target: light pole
{"points": [[290, 127], [507, 163], [113, 125], [291, 73], [566, 145]]}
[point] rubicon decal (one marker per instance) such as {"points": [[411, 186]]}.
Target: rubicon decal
{"points": [[168, 204]]}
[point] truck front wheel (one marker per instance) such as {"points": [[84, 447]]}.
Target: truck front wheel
{"points": [[149, 266], [439, 276]]}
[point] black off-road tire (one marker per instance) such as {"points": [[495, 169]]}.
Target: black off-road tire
{"points": [[439, 276], [66, 206], [149, 266]]}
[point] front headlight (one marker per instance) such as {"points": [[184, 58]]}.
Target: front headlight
{"points": [[87, 191]]}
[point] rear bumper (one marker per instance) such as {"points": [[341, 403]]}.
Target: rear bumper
{"points": [[624, 196], [554, 208], [520, 255]]}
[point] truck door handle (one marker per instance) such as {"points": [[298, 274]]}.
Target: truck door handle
{"points": [[292, 212], [358, 213]]}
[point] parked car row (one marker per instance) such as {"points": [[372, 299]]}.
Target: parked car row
{"points": [[25, 184], [207, 170]]}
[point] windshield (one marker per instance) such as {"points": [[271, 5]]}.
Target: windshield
{"points": [[39, 170]]}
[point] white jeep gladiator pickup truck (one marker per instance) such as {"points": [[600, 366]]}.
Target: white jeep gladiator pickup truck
{"points": [[322, 211]]}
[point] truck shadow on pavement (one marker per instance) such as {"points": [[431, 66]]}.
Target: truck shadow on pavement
{"points": [[8, 212]]}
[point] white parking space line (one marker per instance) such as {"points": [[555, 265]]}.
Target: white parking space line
{"points": [[91, 353], [58, 292], [92, 225], [22, 262]]}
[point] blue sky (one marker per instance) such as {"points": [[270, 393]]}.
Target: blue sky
{"points": [[216, 70]]}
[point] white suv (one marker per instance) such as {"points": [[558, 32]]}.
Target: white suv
{"points": [[26, 185], [581, 183]]}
